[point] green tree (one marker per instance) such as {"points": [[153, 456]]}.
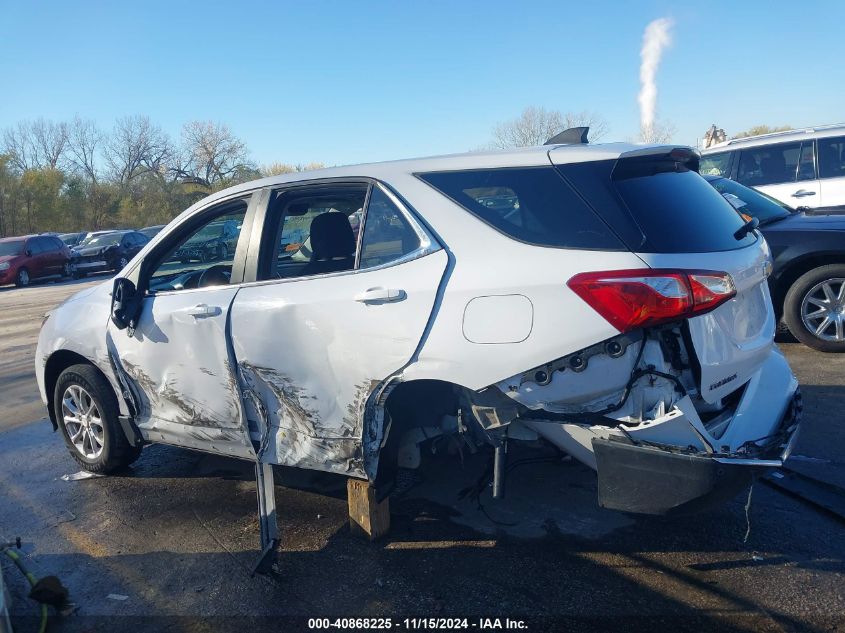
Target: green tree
{"points": [[763, 129]]}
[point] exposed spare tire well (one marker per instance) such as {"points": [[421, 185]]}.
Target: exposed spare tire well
{"points": [[56, 364]]}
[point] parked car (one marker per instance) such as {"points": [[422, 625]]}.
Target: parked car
{"points": [[808, 279], [152, 231], [617, 307], [73, 239], [216, 242], [801, 168], [106, 250], [30, 257]]}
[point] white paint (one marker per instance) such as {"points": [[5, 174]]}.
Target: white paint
{"points": [[294, 364]]}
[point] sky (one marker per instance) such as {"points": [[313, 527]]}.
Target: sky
{"points": [[349, 82]]}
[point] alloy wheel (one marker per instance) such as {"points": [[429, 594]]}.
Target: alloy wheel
{"points": [[83, 422], [823, 310], [23, 277]]}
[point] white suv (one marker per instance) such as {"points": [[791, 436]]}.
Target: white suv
{"points": [[801, 168], [604, 298]]}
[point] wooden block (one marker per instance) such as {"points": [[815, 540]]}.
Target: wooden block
{"points": [[366, 516]]}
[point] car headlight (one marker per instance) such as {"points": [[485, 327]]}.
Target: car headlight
{"points": [[4, 265]]}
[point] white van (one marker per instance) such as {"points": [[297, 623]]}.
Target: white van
{"points": [[801, 168]]}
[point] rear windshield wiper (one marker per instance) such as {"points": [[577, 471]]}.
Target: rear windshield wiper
{"points": [[746, 228]]}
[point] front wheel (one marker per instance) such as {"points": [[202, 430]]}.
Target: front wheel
{"points": [[121, 264], [86, 410], [814, 308], [22, 278], [67, 270]]}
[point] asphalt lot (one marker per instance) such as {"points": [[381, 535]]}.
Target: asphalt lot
{"points": [[175, 537]]}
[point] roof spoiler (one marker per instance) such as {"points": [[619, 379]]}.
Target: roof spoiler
{"points": [[572, 136]]}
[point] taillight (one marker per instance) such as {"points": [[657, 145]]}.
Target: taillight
{"points": [[631, 299]]}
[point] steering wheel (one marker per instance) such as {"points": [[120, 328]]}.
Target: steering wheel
{"points": [[217, 275]]}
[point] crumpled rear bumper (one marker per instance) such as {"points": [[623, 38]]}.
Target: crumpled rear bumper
{"points": [[649, 478]]}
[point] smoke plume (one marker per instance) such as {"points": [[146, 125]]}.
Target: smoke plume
{"points": [[656, 39]]}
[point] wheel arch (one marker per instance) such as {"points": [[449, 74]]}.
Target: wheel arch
{"points": [[795, 269], [56, 363], [408, 404]]}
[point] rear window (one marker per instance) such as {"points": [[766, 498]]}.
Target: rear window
{"points": [[672, 207], [532, 205]]}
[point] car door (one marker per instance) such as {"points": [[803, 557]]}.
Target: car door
{"points": [[785, 171], [39, 265], [333, 315], [176, 362], [831, 153]]}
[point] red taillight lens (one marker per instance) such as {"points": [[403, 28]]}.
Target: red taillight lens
{"points": [[631, 299]]}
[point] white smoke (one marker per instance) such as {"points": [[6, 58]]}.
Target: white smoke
{"points": [[656, 38]]}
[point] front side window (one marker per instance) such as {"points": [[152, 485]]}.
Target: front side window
{"points": [[388, 235], [39, 245], [832, 157], [715, 164], [204, 254], [769, 164]]}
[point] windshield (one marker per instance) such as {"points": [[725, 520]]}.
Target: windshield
{"points": [[69, 238], [110, 239], [208, 233], [11, 248], [751, 202]]}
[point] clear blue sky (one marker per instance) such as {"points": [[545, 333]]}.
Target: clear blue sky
{"points": [[345, 82]]}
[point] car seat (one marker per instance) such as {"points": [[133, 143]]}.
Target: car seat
{"points": [[332, 244]]}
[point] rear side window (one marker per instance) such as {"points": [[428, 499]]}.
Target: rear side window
{"points": [[716, 164], [532, 205], [832, 157], [769, 164], [387, 234], [658, 205]]}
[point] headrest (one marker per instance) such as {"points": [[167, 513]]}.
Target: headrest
{"points": [[332, 236]]}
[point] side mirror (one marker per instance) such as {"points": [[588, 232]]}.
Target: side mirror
{"points": [[28, 252], [125, 303]]}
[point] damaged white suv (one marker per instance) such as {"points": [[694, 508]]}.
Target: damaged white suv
{"points": [[604, 298]]}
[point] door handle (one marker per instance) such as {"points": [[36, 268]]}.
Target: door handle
{"points": [[802, 193], [201, 311], [380, 295]]}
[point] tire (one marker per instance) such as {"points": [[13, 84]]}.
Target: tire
{"points": [[120, 264], [22, 279], [67, 271], [818, 296], [98, 443]]}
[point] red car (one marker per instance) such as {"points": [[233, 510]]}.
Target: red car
{"points": [[29, 257]]}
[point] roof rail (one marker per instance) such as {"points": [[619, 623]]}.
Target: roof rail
{"points": [[806, 130], [572, 136]]}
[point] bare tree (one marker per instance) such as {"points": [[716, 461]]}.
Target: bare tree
{"points": [[211, 153], [50, 141], [137, 146], [657, 132], [84, 144], [18, 144], [536, 125]]}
